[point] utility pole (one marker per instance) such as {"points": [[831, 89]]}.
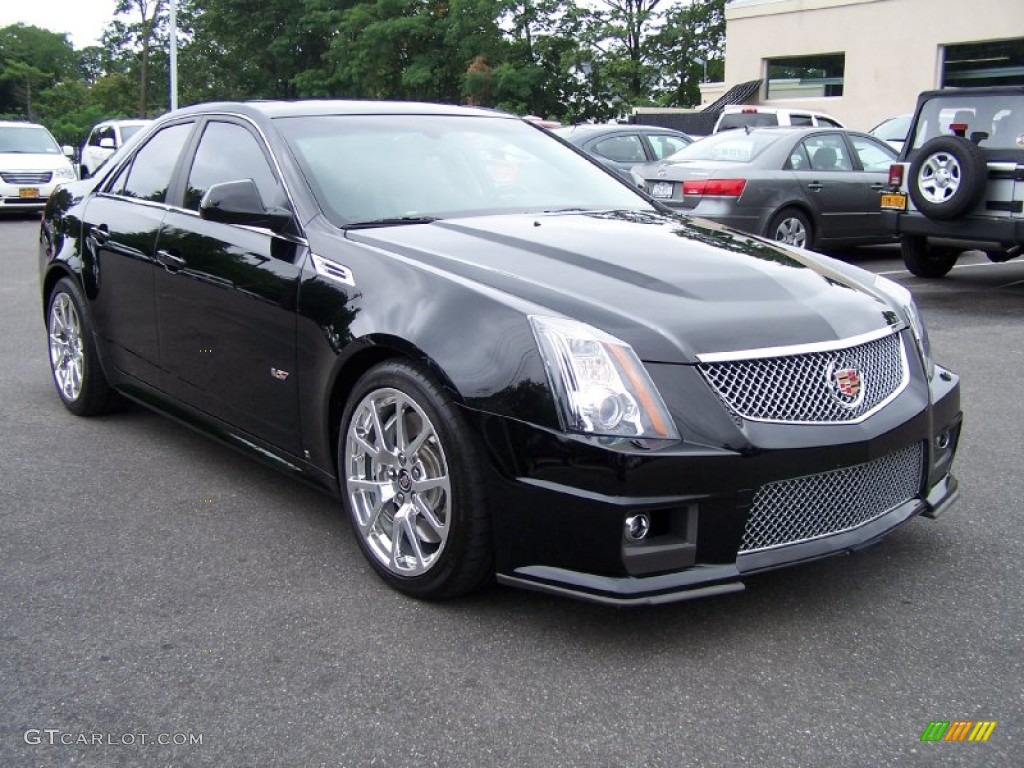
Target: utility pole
{"points": [[174, 54]]}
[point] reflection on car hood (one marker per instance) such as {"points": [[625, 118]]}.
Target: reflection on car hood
{"points": [[670, 286]]}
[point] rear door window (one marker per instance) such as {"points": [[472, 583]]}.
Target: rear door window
{"points": [[150, 174]]}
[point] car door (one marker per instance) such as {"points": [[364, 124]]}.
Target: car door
{"points": [[120, 226], [829, 184], [872, 159], [226, 296]]}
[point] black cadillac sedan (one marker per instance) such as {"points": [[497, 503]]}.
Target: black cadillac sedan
{"points": [[505, 361]]}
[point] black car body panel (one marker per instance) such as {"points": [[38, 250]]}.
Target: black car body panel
{"points": [[256, 337]]}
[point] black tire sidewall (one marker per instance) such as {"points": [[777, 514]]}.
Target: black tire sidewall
{"points": [[922, 262], [973, 177], [465, 562]]}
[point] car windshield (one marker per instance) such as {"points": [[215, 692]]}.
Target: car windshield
{"points": [[127, 131], [735, 146], [366, 168], [27, 139], [1000, 115]]}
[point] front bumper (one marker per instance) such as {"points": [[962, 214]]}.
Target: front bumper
{"points": [[561, 503]]}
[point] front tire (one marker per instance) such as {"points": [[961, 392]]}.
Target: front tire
{"points": [[792, 227], [924, 262], [74, 361], [411, 484]]}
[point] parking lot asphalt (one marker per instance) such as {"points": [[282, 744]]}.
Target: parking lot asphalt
{"points": [[157, 587]]}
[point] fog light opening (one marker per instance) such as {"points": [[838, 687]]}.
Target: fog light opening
{"points": [[942, 441], [637, 527]]}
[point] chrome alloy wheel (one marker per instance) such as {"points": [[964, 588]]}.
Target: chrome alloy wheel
{"points": [[397, 482], [67, 356], [791, 231], [939, 177]]}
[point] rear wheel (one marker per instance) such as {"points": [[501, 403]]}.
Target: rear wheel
{"points": [[411, 483], [74, 361], [924, 261], [792, 227]]}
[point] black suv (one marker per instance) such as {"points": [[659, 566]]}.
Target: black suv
{"points": [[959, 182]]}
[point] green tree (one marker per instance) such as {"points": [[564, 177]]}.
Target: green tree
{"points": [[31, 60], [693, 33]]}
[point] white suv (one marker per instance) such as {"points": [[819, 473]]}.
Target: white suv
{"points": [[959, 181], [756, 116], [104, 140], [31, 166]]}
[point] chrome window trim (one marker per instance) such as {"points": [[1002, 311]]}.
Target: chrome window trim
{"points": [[799, 349], [198, 119]]}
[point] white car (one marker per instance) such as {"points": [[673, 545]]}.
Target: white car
{"points": [[32, 164], [104, 140], [756, 116]]}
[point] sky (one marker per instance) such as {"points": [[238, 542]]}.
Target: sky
{"points": [[83, 20]]}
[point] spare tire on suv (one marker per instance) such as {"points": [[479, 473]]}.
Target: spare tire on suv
{"points": [[958, 185], [948, 177]]}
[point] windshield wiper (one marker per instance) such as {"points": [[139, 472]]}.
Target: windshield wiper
{"points": [[392, 222]]}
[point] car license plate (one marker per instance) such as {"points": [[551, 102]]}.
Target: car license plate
{"points": [[894, 202], [28, 192], [662, 189]]}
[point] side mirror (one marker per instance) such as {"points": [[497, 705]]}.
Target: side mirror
{"points": [[239, 202], [107, 143], [68, 151]]}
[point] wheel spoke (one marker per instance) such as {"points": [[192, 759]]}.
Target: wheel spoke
{"points": [[399, 426], [428, 484], [425, 511], [414, 540]]}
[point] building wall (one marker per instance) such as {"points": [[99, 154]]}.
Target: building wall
{"points": [[892, 47]]}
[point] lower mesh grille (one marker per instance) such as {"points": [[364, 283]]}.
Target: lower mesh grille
{"points": [[809, 507]]}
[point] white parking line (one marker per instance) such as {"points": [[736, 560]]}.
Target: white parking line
{"points": [[958, 266]]}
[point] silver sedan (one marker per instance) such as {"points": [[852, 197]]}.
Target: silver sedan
{"points": [[809, 187]]}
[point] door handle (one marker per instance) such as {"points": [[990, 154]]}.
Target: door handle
{"points": [[100, 234], [171, 261], [878, 187], [815, 186]]}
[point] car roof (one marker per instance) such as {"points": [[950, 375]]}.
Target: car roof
{"points": [[980, 91], [19, 124], [734, 108], [312, 107], [594, 128]]}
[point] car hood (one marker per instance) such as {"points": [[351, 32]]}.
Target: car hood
{"points": [[671, 286], [33, 161]]}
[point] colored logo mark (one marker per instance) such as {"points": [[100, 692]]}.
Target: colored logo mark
{"points": [[958, 730]]}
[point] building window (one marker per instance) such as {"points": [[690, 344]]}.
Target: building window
{"points": [[997, 62], [806, 76]]}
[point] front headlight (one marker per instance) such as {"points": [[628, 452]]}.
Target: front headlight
{"points": [[902, 297], [600, 386], [66, 172]]}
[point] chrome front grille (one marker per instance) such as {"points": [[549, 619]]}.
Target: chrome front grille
{"points": [[813, 506], [800, 388], [26, 177]]}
